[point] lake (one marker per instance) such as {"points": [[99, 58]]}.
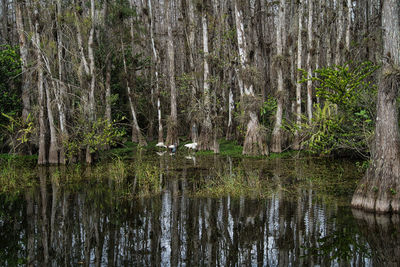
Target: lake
{"points": [[183, 210]]}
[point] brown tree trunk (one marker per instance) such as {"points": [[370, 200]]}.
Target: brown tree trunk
{"points": [[276, 143], [26, 105], [206, 136], [172, 131], [254, 143], [379, 190], [296, 144], [42, 158]]}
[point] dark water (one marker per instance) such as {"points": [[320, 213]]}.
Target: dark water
{"points": [[67, 222]]}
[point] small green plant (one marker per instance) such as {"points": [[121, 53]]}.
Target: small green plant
{"points": [[393, 191], [17, 130], [344, 119]]}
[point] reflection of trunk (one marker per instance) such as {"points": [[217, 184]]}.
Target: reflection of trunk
{"points": [[30, 230], [54, 186], [379, 190], [44, 233], [174, 224], [165, 242], [381, 233]]}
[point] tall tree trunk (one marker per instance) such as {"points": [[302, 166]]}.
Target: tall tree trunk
{"points": [[172, 131], [136, 133], [5, 29], [348, 25], [26, 103], [379, 190], [339, 36], [61, 94], [254, 143], [191, 45], [309, 54], [53, 149], [276, 143], [157, 63], [42, 158], [206, 135], [296, 144]]}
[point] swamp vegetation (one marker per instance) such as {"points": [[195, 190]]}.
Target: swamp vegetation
{"points": [[288, 110], [207, 209]]}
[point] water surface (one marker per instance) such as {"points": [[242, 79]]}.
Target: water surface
{"points": [[302, 217]]}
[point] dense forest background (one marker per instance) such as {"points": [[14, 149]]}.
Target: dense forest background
{"points": [[77, 77]]}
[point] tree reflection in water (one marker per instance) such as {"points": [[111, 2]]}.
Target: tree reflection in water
{"points": [[65, 224]]}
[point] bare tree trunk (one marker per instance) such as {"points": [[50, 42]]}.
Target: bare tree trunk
{"points": [[191, 45], [328, 29], [108, 89], [348, 25], [5, 30], [26, 103], [92, 72], [339, 36], [206, 136], [276, 143], [61, 94], [157, 63], [296, 144], [379, 190], [309, 54], [53, 149], [136, 133], [42, 158], [172, 131]]}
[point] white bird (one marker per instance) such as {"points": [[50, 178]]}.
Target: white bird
{"points": [[173, 148], [161, 153], [192, 146], [161, 144], [192, 159]]}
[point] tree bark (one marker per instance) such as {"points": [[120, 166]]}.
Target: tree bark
{"points": [[309, 55], [26, 103], [42, 157], [296, 144], [136, 133], [339, 36], [254, 142], [379, 190], [276, 143], [156, 63], [172, 131], [206, 136]]}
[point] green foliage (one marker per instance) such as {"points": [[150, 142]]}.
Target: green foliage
{"points": [[267, 112], [344, 122], [17, 131], [10, 93], [10, 68], [100, 134]]}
